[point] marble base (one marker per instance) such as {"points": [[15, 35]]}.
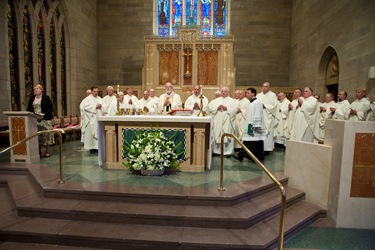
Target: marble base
{"points": [[308, 167], [347, 211]]}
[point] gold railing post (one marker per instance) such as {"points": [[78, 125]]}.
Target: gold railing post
{"points": [[274, 180], [59, 132]]}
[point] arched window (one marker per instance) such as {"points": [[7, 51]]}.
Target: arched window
{"points": [[210, 15], [41, 52], [13, 56]]}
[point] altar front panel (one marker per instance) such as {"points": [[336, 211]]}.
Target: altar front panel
{"points": [[196, 133]]}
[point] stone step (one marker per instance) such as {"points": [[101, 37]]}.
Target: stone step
{"points": [[138, 236], [242, 215]]}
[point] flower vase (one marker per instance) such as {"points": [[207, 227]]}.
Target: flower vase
{"points": [[152, 172]]}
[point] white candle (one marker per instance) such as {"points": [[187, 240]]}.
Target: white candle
{"points": [[118, 88], [201, 88]]}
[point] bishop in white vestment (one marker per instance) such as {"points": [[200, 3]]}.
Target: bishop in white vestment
{"points": [[169, 100]]}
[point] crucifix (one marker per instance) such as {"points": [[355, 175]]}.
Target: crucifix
{"points": [[187, 54]]}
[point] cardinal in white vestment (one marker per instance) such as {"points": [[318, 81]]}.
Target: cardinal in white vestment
{"points": [[240, 123], [169, 100], [193, 102], [306, 122], [342, 106], [269, 101], [281, 122], [358, 108], [223, 111], [325, 113], [92, 106]]}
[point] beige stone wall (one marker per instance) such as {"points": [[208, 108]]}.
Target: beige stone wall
{"points": [[346, 25], [82, 50], [121, 28], [262, 41]]}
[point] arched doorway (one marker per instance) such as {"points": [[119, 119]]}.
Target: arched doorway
{"points": [[330, 71]]}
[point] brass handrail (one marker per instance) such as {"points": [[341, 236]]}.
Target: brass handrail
{"points": [[275, 181], [57, 131]]}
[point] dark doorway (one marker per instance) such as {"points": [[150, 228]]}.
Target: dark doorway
{"points": [[334, 89]]}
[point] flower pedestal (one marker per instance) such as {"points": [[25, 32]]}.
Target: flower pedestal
{"points": [[152, 172]]}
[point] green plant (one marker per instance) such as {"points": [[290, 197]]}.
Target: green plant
{"points": [[152, 150]]}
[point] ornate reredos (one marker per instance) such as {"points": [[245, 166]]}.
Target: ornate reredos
{"points": [[188, 36]]}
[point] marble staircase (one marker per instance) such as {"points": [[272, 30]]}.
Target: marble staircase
{"points": [[36, 209]]}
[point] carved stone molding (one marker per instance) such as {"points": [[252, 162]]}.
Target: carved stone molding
{"points": [[208, 47], [169, 47], [188, 36]]}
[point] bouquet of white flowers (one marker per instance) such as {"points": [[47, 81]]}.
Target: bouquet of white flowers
{"points": [[152, 150]]}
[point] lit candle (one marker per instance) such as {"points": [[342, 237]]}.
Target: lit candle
{"points": [[201, 89], [118, 88]]}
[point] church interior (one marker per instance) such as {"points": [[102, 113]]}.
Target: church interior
{"points": [[69, 46]]}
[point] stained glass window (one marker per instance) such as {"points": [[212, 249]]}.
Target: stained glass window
{"points": [[41, 53], [52, 66], [13, 62], [28, 54], [63, 70], [209, 15]]}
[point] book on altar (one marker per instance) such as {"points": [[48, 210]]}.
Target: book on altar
{"points": [[183, 112]]}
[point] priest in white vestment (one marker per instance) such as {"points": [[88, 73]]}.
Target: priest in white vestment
{"points": [[130, 99], [240, 124], [292, 111], [152, 95], [169, 100], [112, 110], [306, 122], [92, 106], [358, 108], [223, 111], [281, 122], [325, 113], [371, 111], [109, 98], [269, 101], [342, 106], [147, 104], [88, 92], [193, 102], [253, 136]]}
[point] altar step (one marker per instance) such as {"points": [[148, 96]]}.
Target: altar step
{"points": [[244, 216]]}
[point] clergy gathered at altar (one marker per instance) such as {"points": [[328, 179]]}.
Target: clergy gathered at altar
{"points": [[259, 120]]}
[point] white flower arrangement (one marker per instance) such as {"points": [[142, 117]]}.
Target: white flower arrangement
{"points": [[152, 150]]}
